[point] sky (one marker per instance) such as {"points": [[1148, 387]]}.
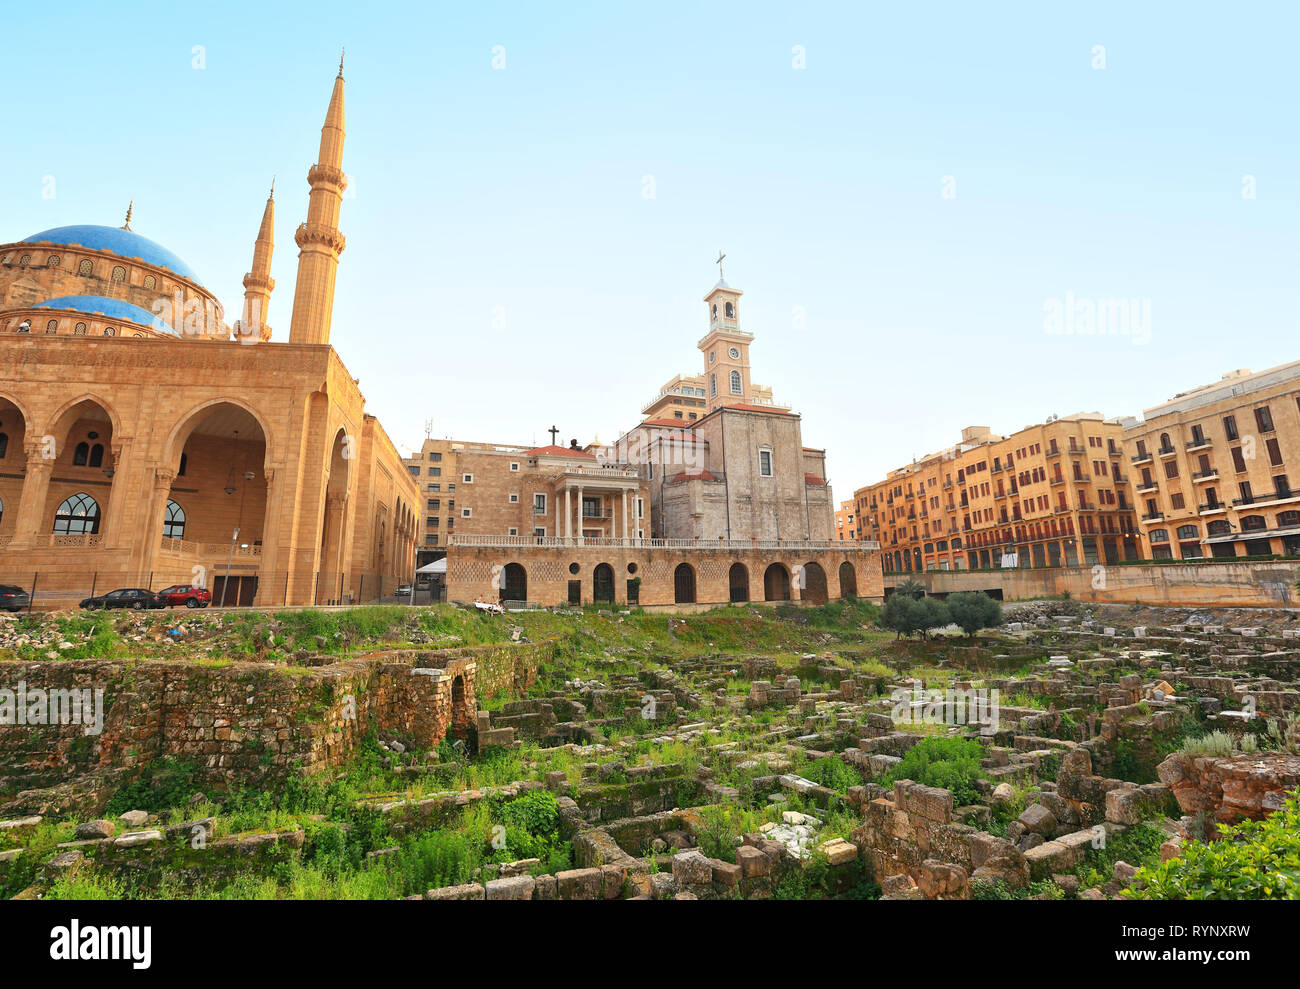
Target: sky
{"points": [[921, 202]]}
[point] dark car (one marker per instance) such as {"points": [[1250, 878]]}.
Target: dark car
{"points": [[126, 597], [13, 598], [190, 595]]}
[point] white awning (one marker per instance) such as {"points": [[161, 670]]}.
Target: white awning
{"points": [[437, 566]]}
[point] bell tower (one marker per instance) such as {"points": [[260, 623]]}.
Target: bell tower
{"points": [[725, 347]]}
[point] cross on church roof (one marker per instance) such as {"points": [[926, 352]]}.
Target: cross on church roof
{"points": [[718, 262], [553, 431]]}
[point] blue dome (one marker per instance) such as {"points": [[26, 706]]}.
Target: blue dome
{"points": [[115, 309], [123, 243]]}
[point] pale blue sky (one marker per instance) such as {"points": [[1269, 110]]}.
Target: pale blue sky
{"points": [[522, 188]]}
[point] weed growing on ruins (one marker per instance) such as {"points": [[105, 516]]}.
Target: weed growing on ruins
{"points": [[950, 763], [1137, 846], [1253, 860]]}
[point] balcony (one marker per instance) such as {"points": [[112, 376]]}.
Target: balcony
{"points": [[1248, 500], [947, 485], [1204, 443], [1120, 478], [1054, 451], [1057, 480], [1167, 451], [1141, 458], [1144, 487], [1217, 506], [1205, 475], [1153, 516]]}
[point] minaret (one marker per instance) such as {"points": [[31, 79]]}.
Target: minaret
{"points": [[319, 239], [258, 283]]}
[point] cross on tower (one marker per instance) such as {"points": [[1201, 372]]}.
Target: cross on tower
{"points": [[718, 262], [553, 431]]}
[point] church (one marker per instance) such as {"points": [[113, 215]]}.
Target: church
{"points": [[145, 442]]}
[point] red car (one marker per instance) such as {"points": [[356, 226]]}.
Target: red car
{"points": [[186, 594]]}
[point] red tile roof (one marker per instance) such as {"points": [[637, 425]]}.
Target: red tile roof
{"points": [[694, 474], [558, 451], [815, 479]]}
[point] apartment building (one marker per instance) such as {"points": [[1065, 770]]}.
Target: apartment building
{"points": [[1053, 494], [1212, 468], [846, 522]]}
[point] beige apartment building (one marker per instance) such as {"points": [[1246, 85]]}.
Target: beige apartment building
{"points": [[1053, 494], [1212, 468]]}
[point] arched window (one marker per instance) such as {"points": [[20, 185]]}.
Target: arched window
{"points": [[713, 386], [110, 331], [150, 281], [730, 311], [79, 329], [77, 515], [86, 267], [53, 261], [97, 455], [119, 273], [4, 445], [24, 261], [185, 459], [80, 455], [1188, 532], [174, 521], [1164, 441], [1218, 528], [24, 327], [715, 310], [1160, 535], [1284, 519], [1253, 523], [735, 383], [52, 326]]}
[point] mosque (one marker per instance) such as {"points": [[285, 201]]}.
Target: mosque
{"points": [[145, 442]]}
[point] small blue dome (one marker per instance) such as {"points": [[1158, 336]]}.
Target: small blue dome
{"points": [[98, 305], [123, 243]]}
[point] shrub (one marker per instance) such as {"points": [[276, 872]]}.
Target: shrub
{"points": [[972, 611], [833, 773], [1254, 860], [950, 763]]}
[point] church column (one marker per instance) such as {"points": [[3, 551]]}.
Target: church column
{"points": [[568, 515], [270, 586], [581, 541], [555, 496], [36, 487], [624, 501]]}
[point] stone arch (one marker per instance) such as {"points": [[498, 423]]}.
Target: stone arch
{"points": [[515, 585], [776, 583], [602, 584], [684, 584], [848, 580], [179, 433], [813, 587], [58, 424], [226, 502], [738, 583]]}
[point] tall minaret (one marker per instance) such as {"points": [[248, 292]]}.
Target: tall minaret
{"points": [[319, 239], [258, 283]]}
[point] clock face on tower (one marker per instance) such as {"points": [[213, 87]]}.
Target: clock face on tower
{"points": [[734, 354]]}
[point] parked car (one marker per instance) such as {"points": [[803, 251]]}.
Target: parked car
{"points": [[189, 595], [403, 590], [126, 597], [13, 598]]}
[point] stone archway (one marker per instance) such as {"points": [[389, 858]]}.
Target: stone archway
{"points": [[515, 587], [848, 580], [684, 584], [602, 584], [776, 583], [738, 583], [813, 589]]}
